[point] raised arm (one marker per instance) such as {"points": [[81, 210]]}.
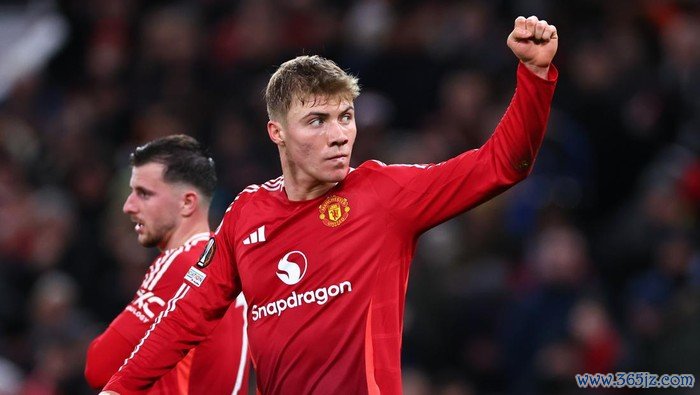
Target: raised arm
{"points": [[425, 195]]}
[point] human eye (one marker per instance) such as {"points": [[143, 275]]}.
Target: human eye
{"points": [[142, 193], [316, 122], [346, 117]]}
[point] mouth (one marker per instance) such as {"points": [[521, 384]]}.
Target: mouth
{"points": [[139, 226], [337, 157]]}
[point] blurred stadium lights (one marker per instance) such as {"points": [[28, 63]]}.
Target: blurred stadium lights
{"points": [[30, 32]]}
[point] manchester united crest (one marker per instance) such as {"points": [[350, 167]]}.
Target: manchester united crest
{"points": [[334, 211]]}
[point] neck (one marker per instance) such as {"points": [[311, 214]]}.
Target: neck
{"points": [[299, 186], [189, 226], [300, 193]]}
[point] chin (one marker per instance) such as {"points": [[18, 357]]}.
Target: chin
{"points": [[338, 175], [148, 242]]}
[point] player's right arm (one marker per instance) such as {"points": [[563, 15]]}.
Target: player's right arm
{"points": [[105, 355], [194, 311], [110, 349]]}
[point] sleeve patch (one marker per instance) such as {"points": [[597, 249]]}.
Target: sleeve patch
{"points": [[207, 254], [195, 276]]}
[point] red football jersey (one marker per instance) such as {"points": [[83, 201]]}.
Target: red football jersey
{"points": [[325, 279], [219, 364]]}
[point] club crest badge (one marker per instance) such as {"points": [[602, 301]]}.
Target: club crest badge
{"points": [[207, 254], [334, 211]]}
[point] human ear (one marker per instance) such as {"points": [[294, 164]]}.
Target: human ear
{"points": [[276, 132], [190, 203]]}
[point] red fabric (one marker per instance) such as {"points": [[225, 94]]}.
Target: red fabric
{"points": [[213, 366], [325, 276], [601, 355], [690, 183], [104, 357]]}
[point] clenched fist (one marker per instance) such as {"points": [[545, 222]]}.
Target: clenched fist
{"points": [[534, 42]]}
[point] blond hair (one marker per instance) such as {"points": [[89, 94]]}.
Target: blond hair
{"points": [[304, 78]]}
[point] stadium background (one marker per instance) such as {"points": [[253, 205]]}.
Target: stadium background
{"points": [[590, 265]]}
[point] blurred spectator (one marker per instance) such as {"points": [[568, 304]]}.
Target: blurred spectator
{"points": [[537, 330], [59, 333], [598, 343]]}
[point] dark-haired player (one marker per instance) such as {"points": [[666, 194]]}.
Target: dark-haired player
{"points": [[172, 182]]}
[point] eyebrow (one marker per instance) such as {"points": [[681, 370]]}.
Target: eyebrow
{"points": [[325, 114], [139, 188]]}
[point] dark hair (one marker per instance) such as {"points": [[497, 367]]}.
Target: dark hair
{"points": [[184, 158], [304, 77]]}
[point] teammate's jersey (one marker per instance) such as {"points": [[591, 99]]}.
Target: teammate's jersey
{"points": [[325, 279], [218, 365]]}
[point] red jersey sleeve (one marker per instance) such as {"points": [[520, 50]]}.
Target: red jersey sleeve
{"points": [[210, 286], [108, 351], [104, 356], [426, 195]]}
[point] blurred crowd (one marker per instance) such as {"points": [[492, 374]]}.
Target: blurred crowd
{"points": [[590, 265]]}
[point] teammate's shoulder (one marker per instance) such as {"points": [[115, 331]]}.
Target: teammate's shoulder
{"points": [[193, 246], [198, 240]]}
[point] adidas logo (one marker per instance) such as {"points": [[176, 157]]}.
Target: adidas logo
{"points": [[256, 237]]}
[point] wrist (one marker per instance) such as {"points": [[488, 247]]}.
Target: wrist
{"points": [[540, 71]]}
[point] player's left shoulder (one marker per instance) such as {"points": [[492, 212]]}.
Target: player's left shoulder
{"points": [[362, 173], [197, 242], [372, 164], [376, 167], [365, 169], [193, 247]]}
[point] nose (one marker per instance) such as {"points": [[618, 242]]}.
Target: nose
{"points": [[337, 135], [129, 206]]}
